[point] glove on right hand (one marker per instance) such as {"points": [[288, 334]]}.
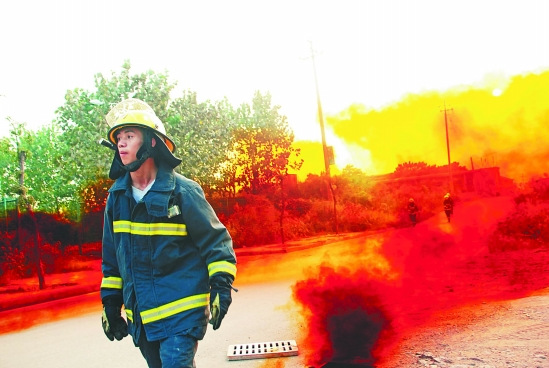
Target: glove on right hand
{"points": [[220, 297], [114, 325]]}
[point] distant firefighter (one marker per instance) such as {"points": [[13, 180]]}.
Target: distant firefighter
{"points": [[412, 211], [448, 204]]}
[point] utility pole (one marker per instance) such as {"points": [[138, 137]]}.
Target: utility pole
{"points": [[320, 117], [324, 146], [451, 186]]}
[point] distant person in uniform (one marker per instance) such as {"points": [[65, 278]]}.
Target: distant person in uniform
{"points": [[448, 204], [412, 211]]}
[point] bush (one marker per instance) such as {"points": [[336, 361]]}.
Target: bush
{"points": [[297, 207], [353, 218], [257, 222], [296, 228], [49, 256], [528, 226], [321, 217], [71, 263], [12, 265], [52, 228]]}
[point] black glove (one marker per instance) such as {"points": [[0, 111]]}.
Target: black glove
{"points": [[220, 297], [113, 324]]}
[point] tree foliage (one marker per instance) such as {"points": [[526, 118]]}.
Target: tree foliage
{"points": [[353, 185], [201, 133], [262, 145], [409, 169], [8, 167], [225, 149], [47, 178]]}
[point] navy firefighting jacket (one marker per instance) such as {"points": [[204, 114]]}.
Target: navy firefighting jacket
{"points": [[160, 253]]}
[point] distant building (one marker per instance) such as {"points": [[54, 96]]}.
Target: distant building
{"points": [[485, 181]]}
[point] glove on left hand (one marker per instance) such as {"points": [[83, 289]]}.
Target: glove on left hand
{"points": [[220, 297], [114, 325]]}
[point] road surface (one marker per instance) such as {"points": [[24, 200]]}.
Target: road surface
{"points": [[258, 314]]}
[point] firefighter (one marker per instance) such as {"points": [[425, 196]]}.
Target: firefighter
{"points": [[166, 256], [448, 204], [412, 211]]}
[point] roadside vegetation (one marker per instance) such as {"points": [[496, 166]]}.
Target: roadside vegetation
{"points": [[54, 181], [527, 228]]}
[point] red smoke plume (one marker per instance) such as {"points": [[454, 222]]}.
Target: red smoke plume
{"points": [[357, 312]]}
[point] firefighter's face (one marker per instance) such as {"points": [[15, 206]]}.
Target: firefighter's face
{"points": [[129, 139]]}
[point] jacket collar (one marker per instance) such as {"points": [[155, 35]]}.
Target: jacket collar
{"points": [[158, 197]]}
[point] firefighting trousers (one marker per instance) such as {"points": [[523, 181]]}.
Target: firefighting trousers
{"points": [[173, 352]]}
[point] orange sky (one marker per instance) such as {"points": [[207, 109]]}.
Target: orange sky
{"points": [[500, 123]]}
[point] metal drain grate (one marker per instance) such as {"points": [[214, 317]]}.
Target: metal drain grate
{"points": [[259, 350]]}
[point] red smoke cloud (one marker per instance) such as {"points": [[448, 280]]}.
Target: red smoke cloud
{"points": [[357, 313]]}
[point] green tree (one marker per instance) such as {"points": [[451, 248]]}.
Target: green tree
{"points": [[28, 236], [50, 184], [8, 168], [353, 185], [262, 145], [263, 152], [201, 132]]}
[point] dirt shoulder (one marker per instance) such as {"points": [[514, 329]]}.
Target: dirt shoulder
{"points": [[490, 335], [493, 308]]}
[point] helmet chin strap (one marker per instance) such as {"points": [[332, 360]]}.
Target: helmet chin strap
{"points": [[145, 152], [161, 154]]}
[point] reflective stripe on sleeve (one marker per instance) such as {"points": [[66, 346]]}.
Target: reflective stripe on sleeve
{"points": [[178, 306], [112, 282], [138, 228], [222, 266], [129, 314]]}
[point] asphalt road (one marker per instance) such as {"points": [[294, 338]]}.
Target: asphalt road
{"points": [[258, 314]]}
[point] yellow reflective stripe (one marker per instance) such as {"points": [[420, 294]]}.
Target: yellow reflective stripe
{"points": [[122, 226], [172, 308], [129, 314], [161, 228], [111, 282], [222, 266]]}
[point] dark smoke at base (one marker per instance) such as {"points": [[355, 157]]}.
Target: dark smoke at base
{"points": [[346, 317]]}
